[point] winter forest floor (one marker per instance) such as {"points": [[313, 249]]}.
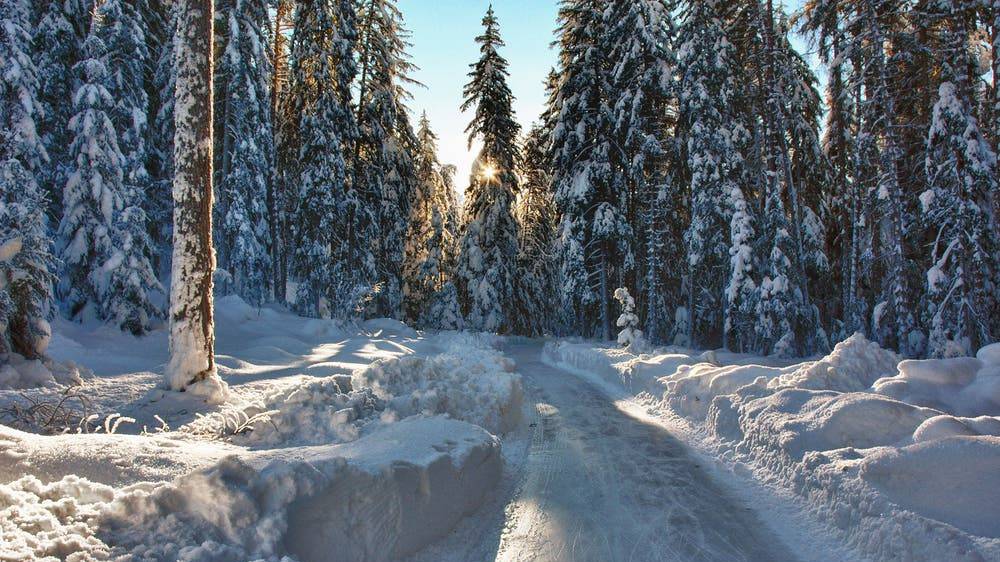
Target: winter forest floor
{"points": [[376, 442]]}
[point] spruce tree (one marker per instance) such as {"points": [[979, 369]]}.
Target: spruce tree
{"points": [[244, 221], [329, 214], [159, 205], [536, 282], [712, 135], [382, 162], [642, 66], [961, 298], [595, 250], [488, 260], [56, 48], [428, 240], [26, 263], [92, 196]]}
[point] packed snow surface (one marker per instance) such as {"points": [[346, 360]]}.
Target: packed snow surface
{"points": [[894, 455]]}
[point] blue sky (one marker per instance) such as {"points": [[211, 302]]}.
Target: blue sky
{"points": [[443, 37]]}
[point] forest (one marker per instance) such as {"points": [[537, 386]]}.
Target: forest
{"points": [[687, 155]]}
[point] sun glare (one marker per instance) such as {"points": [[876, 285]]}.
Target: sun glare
{"points": [[488, 172]]}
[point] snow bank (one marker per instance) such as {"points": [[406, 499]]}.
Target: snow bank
{"points": [[470, 383], [377, 498], [897, 456], [852, 366], [965, 386]]}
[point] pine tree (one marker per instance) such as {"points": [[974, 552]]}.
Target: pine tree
{"points": [[192, 323], [428, 241], [962, 289], [26, 263], [92, 197], [335, 273], [245, 228], [642, 65], [120, 25], [160, 205], [128, 299], [488, 260], [596, 252], [536, 281], [712, 135], [382, 163], [56, 46]]}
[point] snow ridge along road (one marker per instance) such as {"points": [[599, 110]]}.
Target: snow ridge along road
{"points": [[599, 485]]}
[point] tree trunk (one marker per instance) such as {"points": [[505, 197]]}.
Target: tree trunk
{"points": [[278, 243], [192, 329]]}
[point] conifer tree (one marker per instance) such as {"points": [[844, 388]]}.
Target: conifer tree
{"points": [[712, 136], [26, 263], [488, 259], [536, 281], [382, 161], [428, 241], [961, 169], [334, 271], [56, 47], [159, 205], [596, 252], [244, 219], [642, 65], [103, 238]]}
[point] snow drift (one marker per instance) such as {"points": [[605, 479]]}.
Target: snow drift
{"points": [[337, 445], [895, 455]]}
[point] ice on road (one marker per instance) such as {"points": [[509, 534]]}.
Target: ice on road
{"points": [[600, 485]]}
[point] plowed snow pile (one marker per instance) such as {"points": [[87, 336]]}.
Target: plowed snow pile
{"points": [[898, 456], [338, 445]]}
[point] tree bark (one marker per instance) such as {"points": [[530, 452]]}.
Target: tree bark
{"points": [[192, 328]]}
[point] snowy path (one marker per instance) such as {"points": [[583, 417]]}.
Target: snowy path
{"points": [[599, 485]]}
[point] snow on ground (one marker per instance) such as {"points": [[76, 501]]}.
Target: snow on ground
{"points": [[340, 443], [898, 457]]}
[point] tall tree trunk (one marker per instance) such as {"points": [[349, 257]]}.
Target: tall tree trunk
{"points": [[278, 243], [192, 327]]}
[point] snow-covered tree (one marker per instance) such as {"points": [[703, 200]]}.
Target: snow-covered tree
{"points": [[488, 259], [429, 242], [26, 263], [596, 250], [962, 287], [103, 241], [159, 203], [630, 335], [330, 257], [92, 196], [244, 220], [57, 45], [536, 281], [192, 323], [713, 135], [382, 163], [120, 25]]}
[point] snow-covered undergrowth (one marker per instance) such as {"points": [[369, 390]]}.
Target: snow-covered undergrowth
{"points": [[17, 373], [340, 443], [897, 456]]}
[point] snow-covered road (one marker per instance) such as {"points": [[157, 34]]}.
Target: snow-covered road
{"points": [[598, 484]]}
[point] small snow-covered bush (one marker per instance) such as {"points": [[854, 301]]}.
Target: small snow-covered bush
{"points": [[630, 336]]}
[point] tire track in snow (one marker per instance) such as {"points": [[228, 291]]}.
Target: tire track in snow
{"points": [[600, 485]]}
